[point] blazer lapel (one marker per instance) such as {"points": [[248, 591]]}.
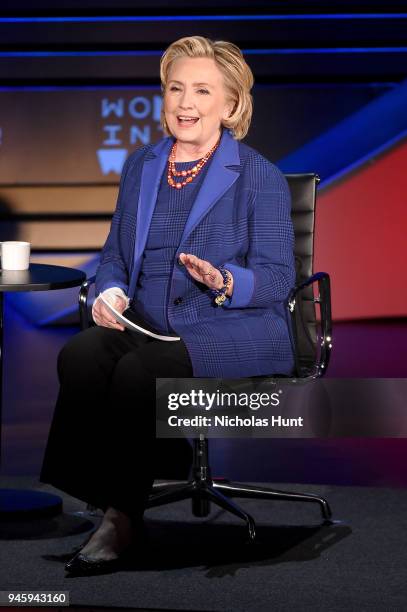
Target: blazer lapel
{"points": [[153, 167], [219, 178]]}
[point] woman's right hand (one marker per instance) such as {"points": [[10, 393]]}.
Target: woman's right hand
{"points": [[102, 316]]}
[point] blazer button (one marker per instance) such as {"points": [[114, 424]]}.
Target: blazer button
{"points": [[177, 301], [179, 262]]}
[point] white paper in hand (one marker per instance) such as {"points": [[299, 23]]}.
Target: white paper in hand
{"points": [[133, 326]]}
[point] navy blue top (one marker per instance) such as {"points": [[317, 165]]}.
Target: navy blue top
{"points": [[167, 225]]}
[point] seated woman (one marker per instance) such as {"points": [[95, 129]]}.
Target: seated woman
{"points": [[200, 247]]}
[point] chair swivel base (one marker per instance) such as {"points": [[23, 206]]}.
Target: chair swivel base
{"points": [[219, 492], [202, 489], [202, 493]]}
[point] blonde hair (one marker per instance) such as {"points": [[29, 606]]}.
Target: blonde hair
{"points": [[237, 76]]}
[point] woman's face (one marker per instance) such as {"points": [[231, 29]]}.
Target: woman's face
{"points": [[195, 100]]}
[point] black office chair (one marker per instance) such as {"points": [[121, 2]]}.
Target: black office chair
{"points": [[312, 351]]}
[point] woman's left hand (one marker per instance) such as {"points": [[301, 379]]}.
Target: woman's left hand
{"points": [[203, 271]]}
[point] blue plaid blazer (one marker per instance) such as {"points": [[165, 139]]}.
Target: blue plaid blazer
{"points": [[240, 219]]}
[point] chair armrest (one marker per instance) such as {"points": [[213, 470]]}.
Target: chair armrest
{"points": [[324, 302], [83, 301]]}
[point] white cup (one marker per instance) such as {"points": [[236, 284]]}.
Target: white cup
{"points": [[15, 255]]}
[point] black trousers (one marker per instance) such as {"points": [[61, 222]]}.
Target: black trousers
{"points": [[101, 446]]}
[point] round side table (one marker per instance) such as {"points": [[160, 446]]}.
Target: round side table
{"points": [[18, 503]]}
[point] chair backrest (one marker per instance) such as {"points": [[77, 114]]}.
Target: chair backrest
{"points": [[303, 195]]}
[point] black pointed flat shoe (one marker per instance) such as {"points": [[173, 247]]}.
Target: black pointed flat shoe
{"points": [[83, 565]]}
